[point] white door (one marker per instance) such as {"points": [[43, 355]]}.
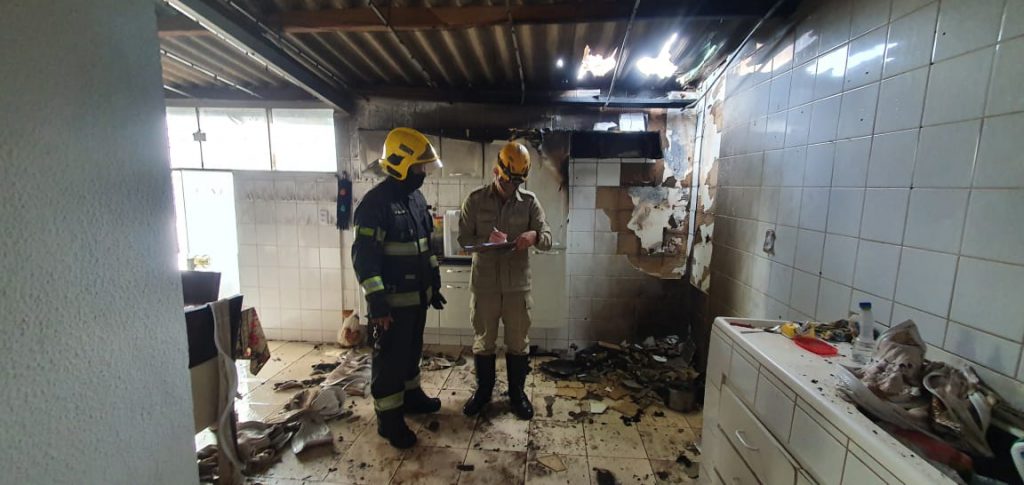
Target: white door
{"points": [[205, 212]]}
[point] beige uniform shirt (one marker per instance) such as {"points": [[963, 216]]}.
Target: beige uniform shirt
{"points": [[483, 211]]}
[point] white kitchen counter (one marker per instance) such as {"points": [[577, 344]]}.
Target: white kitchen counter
{"points": [[773, 376]]}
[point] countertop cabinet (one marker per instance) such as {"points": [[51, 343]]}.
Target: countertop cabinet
{"points": [[455, 288], [772, 415]]}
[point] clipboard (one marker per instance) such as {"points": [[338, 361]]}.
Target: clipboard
{"points": [[485, 247]]}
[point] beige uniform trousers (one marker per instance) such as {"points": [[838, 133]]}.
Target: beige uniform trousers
{"points": [[512, 309]]}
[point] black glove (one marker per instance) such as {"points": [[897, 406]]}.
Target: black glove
{"points": [[379, 307], [438, 301]]}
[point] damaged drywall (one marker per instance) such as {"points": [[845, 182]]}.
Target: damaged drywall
{"points": [[656, 209], [708, 141]]}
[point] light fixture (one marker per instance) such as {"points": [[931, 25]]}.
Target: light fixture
{"points": [[560, 63], [661, 65], [596, 64]]}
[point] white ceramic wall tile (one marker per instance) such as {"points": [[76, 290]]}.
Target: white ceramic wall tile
{"points": [[864, 61], [797, 125], [999, 152], [901, 101], [608, 174], [248, 276], [814, 209], [804, 296], [931, 327], [775, 131], [903, 7], [789, 206], [831, 71], [818, 166], [583, 174], [793, 164], [809, 246], [270, 297], [266, 234], [868, 14], [945, 155], [839, 258], [877, 264], [884, 216], [330, 258], [605, 242], [935, 219], [966, 25], [309, 278], [850, 168], [309, 236], [288, 256], [778, 95], [773, 165], [910, 40], [834, 24], [248, 255], [583, 197], [926, 280], [581, 243], [833, 301], [986, 294], [857, 115], [892, 159], [805, 44], [269, 277], [768, 205], [1004, 93], [801, 90], [947, 100], [1013, 23], [844, 211], [785, 245], [581, 219], [881, 307], [995, 225], [289, 277], [992, 352], [309, 257]]}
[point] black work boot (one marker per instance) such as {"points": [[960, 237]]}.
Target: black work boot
{"points": [[484, 385], [418, 402], [518, 368], [391, 426]]}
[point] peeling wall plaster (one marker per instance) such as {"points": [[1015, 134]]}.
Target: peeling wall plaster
{"points": [[708, 141]]}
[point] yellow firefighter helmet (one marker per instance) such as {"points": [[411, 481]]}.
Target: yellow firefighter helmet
{"points": [[405, 148], [514, 162]]}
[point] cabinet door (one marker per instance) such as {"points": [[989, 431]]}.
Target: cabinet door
{"points": [[550, 302], [456, 312], [463, 160]]}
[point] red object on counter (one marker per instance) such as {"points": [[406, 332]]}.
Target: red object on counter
{"points": [[815, 346]]}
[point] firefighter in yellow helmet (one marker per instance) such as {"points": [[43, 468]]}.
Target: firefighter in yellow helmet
{"points": [[500, 283], [400, 279]]}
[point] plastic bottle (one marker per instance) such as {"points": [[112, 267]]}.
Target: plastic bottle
{"points": [[864, 344]]}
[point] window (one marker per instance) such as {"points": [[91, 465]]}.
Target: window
{"points": [[182, 129], [296, 140], [303, 140], [235, 138]]}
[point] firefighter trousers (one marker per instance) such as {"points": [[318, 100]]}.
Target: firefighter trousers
{"points": [[512, 309], [396, 357]]}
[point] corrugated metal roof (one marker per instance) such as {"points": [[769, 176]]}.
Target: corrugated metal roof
{"points": [[471, 58]]}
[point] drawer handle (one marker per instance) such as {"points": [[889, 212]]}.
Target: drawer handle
{"points": [[452, 287], [739, 436]]}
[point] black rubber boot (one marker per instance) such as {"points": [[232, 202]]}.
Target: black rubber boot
{"points": [[391, 426], [417, 402], [484, 385], [518, 368]]}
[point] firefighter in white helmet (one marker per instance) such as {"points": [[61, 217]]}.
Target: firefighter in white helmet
{"points": [[500, 283]]}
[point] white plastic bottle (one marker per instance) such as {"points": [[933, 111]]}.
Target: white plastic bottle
{"points": [[864, 344]]}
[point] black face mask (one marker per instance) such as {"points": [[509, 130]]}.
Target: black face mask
{"points": [[413, 181]]}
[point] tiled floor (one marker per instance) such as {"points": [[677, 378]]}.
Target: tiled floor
{"points": [[500, 448]]}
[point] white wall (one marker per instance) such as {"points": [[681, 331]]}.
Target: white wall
{"points": [[882, 142], [93, 351], [289, 253]]}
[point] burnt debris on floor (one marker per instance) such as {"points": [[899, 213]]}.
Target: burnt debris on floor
{"points": [[633, 376]]}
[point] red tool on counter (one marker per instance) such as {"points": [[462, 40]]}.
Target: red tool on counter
{"points": [[815, 346]]}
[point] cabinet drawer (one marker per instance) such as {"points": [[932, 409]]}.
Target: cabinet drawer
{"points": [[456, 312], [718, 359], [774, 407], [816, 449], [729, 465], [742, 375], [764, 454], [455, 274], [860, 469]]}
